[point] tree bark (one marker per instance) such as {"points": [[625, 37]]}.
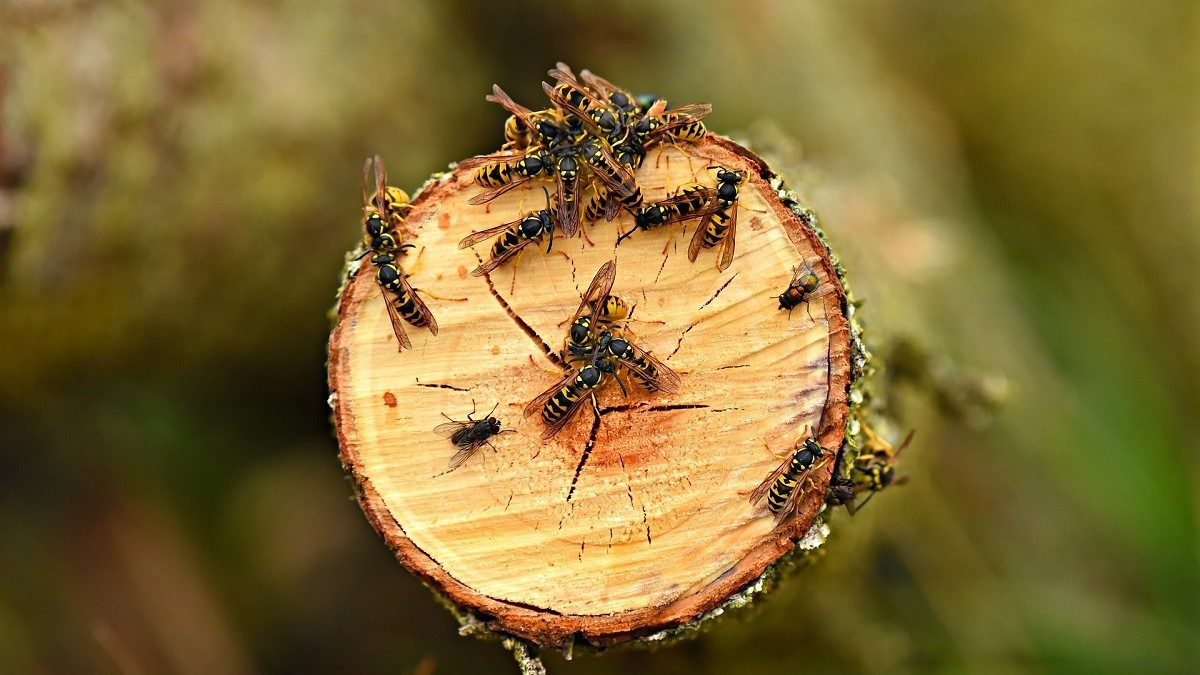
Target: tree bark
{"points": [[628, 523]]}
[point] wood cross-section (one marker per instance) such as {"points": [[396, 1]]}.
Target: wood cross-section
{"points": [[619, 525]]}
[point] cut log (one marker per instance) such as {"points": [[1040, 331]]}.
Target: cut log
{"points": [[622, 525]]}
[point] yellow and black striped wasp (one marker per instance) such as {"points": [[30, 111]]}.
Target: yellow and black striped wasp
{"points": [[613, 349], [575, 99], [875, 467], [384, 207], [513, 237], [677, 124], [559, 403], [469, 435], [505, 172], [384, 244], [786, 483], [556, 153], [688, 203], [597, 309], [719, 227]]}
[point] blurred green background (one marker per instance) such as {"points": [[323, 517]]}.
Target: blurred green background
{"points": [[1010, 183]]}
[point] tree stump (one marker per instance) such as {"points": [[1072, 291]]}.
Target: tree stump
{"points": [[616, 528]]}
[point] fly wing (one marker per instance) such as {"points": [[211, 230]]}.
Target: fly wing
{"points": [[464, 453], [448, 428]]}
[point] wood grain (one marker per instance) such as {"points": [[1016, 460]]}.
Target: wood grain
{"points": [[655, 527]]}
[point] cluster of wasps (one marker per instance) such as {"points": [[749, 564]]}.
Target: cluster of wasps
{"points": [[873, 470], [591, 141], [599, 338]]}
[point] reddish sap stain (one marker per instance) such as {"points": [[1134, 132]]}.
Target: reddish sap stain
{"points": [[389, 399], [444, 221]]}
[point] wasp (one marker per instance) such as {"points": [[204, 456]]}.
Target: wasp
{"points": [[470, 435], [384, 245], [719, 227], [598, 308], [783, 487], [678, 124], [509, 170], [513, 237], [598, 301], [804, 283], [575, 99], [617, 181], [650, 373], [617, 97], [559, 403], [841, 488], [875, 468], [384, 208], [567, 170], [688, 202], [524, 127]]}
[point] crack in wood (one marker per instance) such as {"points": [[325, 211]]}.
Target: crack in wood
{"points": [[679, 343], [723, 287], [587, 449], [663, 407], [533, 334], [441, 386]]}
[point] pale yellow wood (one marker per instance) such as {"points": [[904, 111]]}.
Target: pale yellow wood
{"points": [[660, 509]]}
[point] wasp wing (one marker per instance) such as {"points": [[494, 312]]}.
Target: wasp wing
{"points": [[519, 111], [484, 197], [665, 379], [622, 181], [492, 263], [567, 204], [480, 160], [380, 186], [789, 505], [697, 241], [476, 237], [564, 104], [603, 86], [765, 486], [422, 308], [599, 289], [540, 402], [566, 417], [681, 116], [402, 341], [728, 241]]}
